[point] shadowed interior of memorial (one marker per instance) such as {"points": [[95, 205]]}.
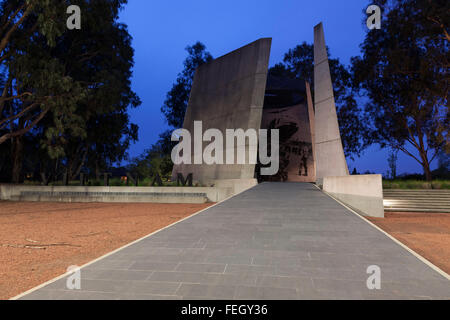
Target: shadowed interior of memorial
{"points": [[285, 108]]}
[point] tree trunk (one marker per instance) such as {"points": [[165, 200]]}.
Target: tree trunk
{"points": [[69, 168], [428, 174], [426, 167], [97, 170], [82, 162], [56, 173], [17, 160]]}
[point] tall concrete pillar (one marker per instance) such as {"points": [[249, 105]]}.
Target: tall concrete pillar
{"points": [[330, 158], [312, 125]]}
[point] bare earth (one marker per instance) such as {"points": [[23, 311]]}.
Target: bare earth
{"points": [[427, 234], [38, 241]]}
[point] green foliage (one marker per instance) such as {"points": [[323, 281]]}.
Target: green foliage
{"points": [[177, 99], [404, 73], [34, 80], [70, 89], [157, 159], [101, 57], [416, 184], [392, 162]]}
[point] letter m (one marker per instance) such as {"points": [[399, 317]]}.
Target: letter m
{"points": [[183, 181]]}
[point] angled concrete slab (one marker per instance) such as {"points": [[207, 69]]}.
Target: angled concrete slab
{"points": [[330, 158], [228, 93]]}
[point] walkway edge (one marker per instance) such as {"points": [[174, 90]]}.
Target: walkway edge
{"points": [[414, 253], [119, 249]]}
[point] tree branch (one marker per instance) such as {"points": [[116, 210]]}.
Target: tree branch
{"points": [[2, 99], [442, 26], [5, 39], [5, 92], [20, 114], [24, 130], [410, 154], [10, 19]]}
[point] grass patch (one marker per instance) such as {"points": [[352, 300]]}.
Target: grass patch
{"points": [[416, 184]]}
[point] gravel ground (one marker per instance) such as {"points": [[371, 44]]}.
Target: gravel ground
{"points": [[38, 241], [427, 234]]}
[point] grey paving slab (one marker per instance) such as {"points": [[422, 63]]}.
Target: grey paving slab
{"points": [[275, 241]]}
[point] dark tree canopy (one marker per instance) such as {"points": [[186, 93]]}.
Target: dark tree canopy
{"points": [[33, 81], [66, 93], [157, 159], [177, 99], [404, 73]]}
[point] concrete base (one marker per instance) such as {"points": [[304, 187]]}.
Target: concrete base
{"points": [[363, 193], [319, 183], [236, 185], [115, 194]]}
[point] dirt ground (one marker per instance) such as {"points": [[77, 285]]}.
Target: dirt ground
{"points": [[427, 234], [38, 241]]}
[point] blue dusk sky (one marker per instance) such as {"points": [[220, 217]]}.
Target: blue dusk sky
{"points": [[161, 30]]}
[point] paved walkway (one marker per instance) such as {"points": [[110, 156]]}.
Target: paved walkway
{"points": [[275, 241]]}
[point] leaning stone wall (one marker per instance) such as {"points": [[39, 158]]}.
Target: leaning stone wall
{"points": [[330, 158], [228, 93]]}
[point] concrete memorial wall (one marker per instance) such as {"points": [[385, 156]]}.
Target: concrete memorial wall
{"points": [[330, 158], [227, 93]]}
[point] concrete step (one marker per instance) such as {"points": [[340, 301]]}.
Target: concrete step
{"points": [[429, 199], [403, 205], [412, 195], [149, 197], [418, 190], [391, 200], [443, 194], [424, 210], [417, 200]]}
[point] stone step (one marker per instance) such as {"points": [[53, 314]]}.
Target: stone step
{"points": [[428, 199], [433, 192], [417, 200], [424, 192], [425, 210], [149, 197], [447, 196], [405, 205], [418, 190]]}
